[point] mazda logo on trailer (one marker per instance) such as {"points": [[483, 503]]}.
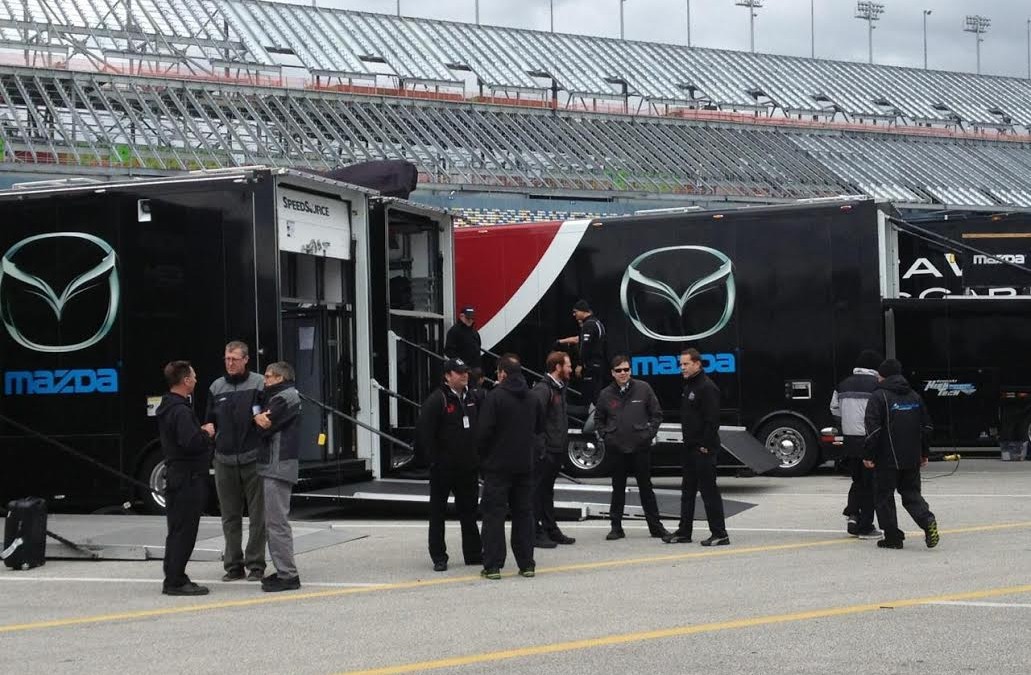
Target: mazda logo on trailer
{"points": [[723, 276], [15, 281]]}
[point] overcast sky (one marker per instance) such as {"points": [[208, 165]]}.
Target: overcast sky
{"points": [[782, 26]]}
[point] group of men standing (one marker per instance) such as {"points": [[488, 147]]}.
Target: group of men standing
{"points": [[251, 426], [516, 438]]}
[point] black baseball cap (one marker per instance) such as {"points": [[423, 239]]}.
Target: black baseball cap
{"points": [[468, 310], [456, 366], [581, 306]]}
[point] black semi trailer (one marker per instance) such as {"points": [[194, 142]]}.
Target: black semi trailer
{"points": [[102, 284]]}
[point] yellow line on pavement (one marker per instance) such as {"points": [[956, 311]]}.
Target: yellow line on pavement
{"points": [[681, 631], [267, 599]]}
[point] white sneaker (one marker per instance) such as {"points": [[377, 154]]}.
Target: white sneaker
{"points": [[872, 534]]}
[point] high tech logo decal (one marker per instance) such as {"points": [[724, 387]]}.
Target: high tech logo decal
{"points": [[951, 388], [641, 366], [679, 302], [79, 381], [103, 272]]}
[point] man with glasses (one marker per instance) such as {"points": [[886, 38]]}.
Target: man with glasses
{"points": [[627, 419], [233, 401]]}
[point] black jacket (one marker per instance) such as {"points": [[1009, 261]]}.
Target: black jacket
{"points": [[593, 344], [700, 413], [463, 342], [441, 432], [628, 420], [281, 443], [232, 404], [506, 431], [898, 425], [848, 405], [552, 399], [185, 444]]}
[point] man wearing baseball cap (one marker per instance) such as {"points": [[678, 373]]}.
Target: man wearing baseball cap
{"points": [[463, 340], [445, 433]]}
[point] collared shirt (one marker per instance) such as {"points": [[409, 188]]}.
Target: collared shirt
{"points": [[557, 382]]}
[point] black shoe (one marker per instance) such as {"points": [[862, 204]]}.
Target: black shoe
{"points": [[889, 543], [931, 536], [852, 527], [677, 537], [234, 575], [275, 583], [659, 533], [493, 574], [544, 541], [615, 533], [440, 566], [716, 540], [560, 538], [255, 575], [189, 588], [528, 572]]}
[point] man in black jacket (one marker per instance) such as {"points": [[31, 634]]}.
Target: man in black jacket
{"points": [[187, 449], [897, 444], [463, 340], [552, 446], [510, 420], [592, 344], [446, 431], [233, 401], [848, 405], [700, 426], [627, 419]]}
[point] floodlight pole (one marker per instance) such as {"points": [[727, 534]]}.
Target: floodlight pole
{"points": [[399, 7], [812, 29], [869, 12], [689, 23], [477, 12], [552, 16], [927, 13], [751, 5], [977, 25], [1029, 49], [621, 34]]}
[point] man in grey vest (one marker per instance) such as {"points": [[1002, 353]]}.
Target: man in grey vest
{"points": [[233, 402]]}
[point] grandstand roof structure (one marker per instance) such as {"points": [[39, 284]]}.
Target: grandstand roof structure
{"points": [[168, 85]]}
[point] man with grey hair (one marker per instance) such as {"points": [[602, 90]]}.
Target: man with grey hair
{"points": [[277, 465], [233, 401]]}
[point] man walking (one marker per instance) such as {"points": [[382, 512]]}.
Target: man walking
{"points": [[506, 438], [592, 344], [627, 419], [277, 466], [897, 446], [700, 425], [552, 446], [463, 340], [187, 449], [233, 401], [446, 432], [848, 405]]}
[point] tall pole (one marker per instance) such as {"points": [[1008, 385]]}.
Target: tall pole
{"points": [[978, 25], [689, 23], [621, 18], [552, 16], [477, 12], [927, 13], [812, 29], [399, 7], [869, 12], [1029, 49], [751, 5]]}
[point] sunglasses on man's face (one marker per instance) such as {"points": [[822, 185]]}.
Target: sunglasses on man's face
{"points": [[621, 370]]}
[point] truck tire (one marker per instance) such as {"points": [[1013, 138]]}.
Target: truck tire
{"points": [[587, 459], [793, 443], [152, 472]]}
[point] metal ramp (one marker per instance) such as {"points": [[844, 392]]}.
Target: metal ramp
{"points": [[572, 501]]}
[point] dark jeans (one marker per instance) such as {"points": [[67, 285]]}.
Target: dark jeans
{"points": [[594, 380], [503, 492], [186, 491], [700, 476], [546, 471], [465, 485], [907, 482], [861, 495], [638, 463], [237, 486]]}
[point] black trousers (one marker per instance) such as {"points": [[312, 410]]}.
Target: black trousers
{"points": [[699, 475], [465, 485], [907, 482], [186, 492], [546, 471], [638, 463], [503, 492], [861, 495], [594, 380]]}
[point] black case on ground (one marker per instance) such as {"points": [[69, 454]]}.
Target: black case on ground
{"points": [[26, 520]]}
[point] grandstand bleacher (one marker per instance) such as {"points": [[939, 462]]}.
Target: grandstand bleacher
{"points": [[170, 85]]}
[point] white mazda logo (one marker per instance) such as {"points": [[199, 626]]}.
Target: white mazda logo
{"points": [[57, 301], [724, 275]]}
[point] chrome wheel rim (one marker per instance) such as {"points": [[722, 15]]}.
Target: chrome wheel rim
{"points": [[157, 483], [788, 445], [586, 456]]}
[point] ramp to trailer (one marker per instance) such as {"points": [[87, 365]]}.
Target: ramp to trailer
{"points": [[573, 501], [130, 537]]}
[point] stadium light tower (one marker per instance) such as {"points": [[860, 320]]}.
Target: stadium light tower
{"points": [[689, 23], [752, 5], [477, 12], [621, 18], [869, 12], [927, 13], [552, 16], [978, 25]]}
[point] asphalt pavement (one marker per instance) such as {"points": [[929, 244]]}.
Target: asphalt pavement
{"points": [[792, 594]]}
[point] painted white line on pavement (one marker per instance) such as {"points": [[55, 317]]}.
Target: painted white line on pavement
{"points": [[733, 494], [221, 584], [994, 605]]}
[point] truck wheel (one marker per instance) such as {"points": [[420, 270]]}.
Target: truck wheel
{"points": [[792, 442], [587, 459], [152, 472]]}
